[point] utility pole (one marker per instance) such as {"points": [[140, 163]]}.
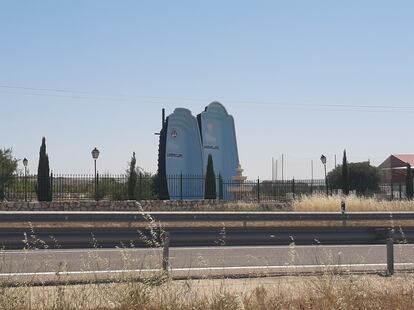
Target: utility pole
{"points": [[162, 123], [283, 163], [311, 176], [276, 171], [312, 170]]}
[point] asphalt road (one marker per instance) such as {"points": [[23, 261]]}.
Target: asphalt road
{"points": [[250, 257]]}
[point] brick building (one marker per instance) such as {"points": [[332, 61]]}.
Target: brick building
{"points": [[394, 168]]}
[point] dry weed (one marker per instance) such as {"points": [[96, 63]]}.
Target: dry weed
{"points": [[321, 203], [329, 291]]}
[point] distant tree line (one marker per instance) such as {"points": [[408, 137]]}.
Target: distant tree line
{"points": [[8, 165], [360, 177], [139, 185]]}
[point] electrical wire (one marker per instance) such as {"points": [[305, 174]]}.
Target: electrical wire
{"points": [[50, 92]]}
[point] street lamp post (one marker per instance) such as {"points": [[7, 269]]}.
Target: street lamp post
{"points": [[25, 162], [95, 155], [323, 160]]}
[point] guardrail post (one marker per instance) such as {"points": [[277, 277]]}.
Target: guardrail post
{"points": [[258, 190], [166, 252], [343, 206], [343, 210], [390, 252]]}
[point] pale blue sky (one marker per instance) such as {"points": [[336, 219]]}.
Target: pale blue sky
{"points": [[300, 78]]}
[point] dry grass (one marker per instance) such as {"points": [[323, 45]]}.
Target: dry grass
{"points": [[321, 203], [328, 291], [314, 203], [219, 206]]}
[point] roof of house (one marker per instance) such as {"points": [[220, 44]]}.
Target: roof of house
{"points": [[396, 161]]}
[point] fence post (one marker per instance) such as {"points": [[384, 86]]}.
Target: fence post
{"points": [[399, 189], [25, 185], [51, 186], [390, 252], [392, 190], [293, 187], [166, 252], [258, 190], [97, 187], [3, 187], [181, 186], [220, 181], [140, 185]]}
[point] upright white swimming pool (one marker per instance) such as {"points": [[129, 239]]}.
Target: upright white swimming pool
{"points": [[183, 156], [186, 143], [218, 136]]}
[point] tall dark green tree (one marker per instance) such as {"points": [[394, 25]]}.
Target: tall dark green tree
{"points": [[345, 175], [8, 165], [132, 178], [210, 187], [44, 190], [409, 190], [160, 179], [363, 178]]}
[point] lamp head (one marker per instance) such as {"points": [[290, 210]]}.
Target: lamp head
{"points": [[95, 153], [323, 159]]}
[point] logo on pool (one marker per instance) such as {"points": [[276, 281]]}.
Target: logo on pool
{"points": [[174, 133]]}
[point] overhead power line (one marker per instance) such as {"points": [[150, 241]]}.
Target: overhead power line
{"points": [[85, 95]]}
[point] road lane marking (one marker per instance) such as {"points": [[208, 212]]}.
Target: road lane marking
{"points": [[121, 271]]}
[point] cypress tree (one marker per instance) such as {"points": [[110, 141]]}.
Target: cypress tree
{"points": [[345, 175], [160, 184], [210, 188], [132, 178], [409, 183], [44, 192]]}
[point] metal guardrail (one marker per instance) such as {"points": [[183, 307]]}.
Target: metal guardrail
{"points": [[389, 241], [63, 216], [383, 231]]}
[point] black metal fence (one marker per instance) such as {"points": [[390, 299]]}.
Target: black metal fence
{"points": [[179, 187], [77, 187], [393, 191]]}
